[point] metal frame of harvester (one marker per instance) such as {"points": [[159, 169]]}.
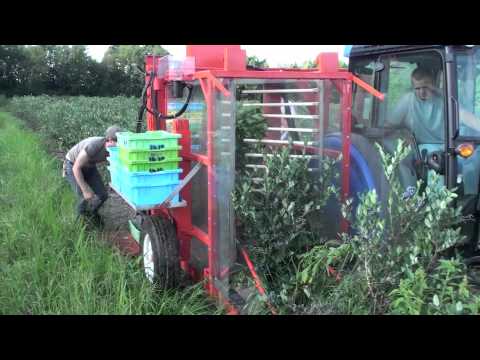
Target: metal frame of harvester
{"points": [[216, 69]]}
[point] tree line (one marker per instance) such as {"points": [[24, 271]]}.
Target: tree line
{"points": [[64, 70]]}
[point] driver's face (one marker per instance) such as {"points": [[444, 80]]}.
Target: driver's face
{"points": [[423, 88]]}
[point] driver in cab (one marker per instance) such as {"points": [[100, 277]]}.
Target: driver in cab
{"points": [[422, 111]]}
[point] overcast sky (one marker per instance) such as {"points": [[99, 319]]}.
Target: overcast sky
{"points": [[276, 55]]}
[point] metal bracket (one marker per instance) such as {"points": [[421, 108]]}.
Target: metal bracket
{"points": [[182, 184]]}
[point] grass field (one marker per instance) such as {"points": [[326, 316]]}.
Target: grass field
{"points": [[48, 263]]}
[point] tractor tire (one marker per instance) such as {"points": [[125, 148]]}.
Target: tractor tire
{"points": [[366, 174], [160, 252]]}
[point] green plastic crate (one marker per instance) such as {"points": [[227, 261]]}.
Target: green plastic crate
{"points": [[151, 166], [127, 155], [150, 140]]}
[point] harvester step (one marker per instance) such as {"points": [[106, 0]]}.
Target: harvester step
{"points": [[258, 155], [274, 91], [282, 104], [253, 166], [291, 116], [269, 141], [307, 130]]}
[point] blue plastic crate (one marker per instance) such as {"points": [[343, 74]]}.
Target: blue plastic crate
{"points": [[115, 177], [144, 178], [149, 196], [113, 153], [144, 188]]}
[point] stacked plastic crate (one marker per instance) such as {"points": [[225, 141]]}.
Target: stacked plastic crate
{"points": [[144, 167]]}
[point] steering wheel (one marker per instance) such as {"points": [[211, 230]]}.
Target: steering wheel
{"points": [[434, 160]]}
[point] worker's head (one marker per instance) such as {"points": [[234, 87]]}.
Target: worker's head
{"points": [[423, 83], [111, 135]]}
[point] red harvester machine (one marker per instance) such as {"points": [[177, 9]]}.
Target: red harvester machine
{"points": [[197, 236]]}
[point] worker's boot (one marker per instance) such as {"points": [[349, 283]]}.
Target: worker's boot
{"points": [[94, 204], [88, 213]]}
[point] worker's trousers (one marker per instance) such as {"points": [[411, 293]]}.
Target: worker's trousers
{"points": [[94, 180]]}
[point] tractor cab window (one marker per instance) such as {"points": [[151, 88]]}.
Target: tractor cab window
{"points": [[362, 109], [468, 86], [415, 99], [413, 109]]}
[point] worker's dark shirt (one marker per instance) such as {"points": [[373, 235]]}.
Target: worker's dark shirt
{"points": [[94, 147]]}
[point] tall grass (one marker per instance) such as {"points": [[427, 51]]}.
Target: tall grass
{"points": [[48, 263]]}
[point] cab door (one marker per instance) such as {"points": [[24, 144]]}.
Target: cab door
{"points": [[379, 120], [468, 95]]}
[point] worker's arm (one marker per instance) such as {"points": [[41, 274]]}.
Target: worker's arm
{"points": [[469, 119], [396, 117], [81, 161]]}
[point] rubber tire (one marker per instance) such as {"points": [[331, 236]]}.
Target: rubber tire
{"points": [[406, 172], [374, 161], [372, 157], [165, 251]]}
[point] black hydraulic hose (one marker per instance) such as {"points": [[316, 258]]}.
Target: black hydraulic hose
{"points": [[154, 111], [184, 107], [141, 110], [159, 116], [143, 106], [140, 118]]}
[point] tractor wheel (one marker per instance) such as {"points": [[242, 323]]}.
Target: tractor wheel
{"points": [[366, 173], [160, 252]]}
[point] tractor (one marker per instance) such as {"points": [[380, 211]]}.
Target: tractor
{"points": [[455, 154]]}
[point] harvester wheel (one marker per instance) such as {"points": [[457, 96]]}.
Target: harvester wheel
{"points": [[160, 252]]}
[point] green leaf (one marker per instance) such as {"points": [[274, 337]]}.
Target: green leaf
{"points": [[436, 301], [459, 307]]}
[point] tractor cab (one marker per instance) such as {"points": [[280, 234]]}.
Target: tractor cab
{"points": [[432, 101]]}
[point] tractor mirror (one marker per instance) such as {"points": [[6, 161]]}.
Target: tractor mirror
{"points": [[465, 150]]}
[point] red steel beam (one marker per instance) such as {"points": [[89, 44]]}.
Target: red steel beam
{"points": [[368, 88], [200, 235], [198, 158], [256, 279], [274, 74], [183, 216]]}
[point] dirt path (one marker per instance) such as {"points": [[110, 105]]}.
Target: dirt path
{"points": [[115, 213]]}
